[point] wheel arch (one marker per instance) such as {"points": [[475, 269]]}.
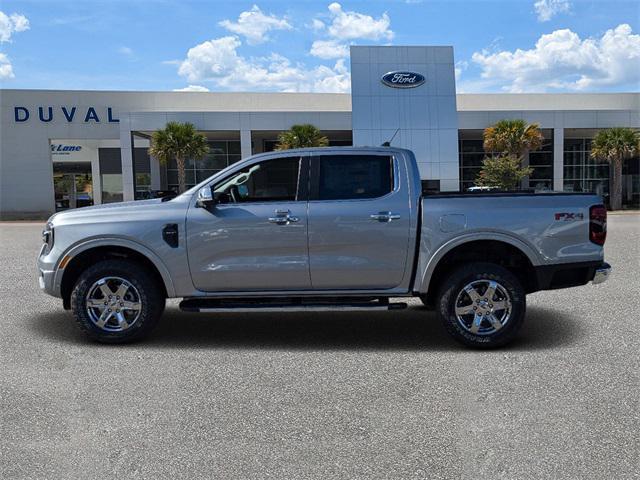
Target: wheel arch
{"points": [[503, 250], [90, 252]]}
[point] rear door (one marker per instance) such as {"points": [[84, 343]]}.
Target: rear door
{"points": [[359, 221], [255, 237]]}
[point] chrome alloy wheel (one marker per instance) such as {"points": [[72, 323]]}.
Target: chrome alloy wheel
{"points": [[483, 307], [113, 304]]}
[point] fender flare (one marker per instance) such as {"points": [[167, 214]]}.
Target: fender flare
{"points": [[445, 248], [117, 242]]}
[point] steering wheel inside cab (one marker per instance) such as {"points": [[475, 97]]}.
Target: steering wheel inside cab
{"points": [[232, 194]]}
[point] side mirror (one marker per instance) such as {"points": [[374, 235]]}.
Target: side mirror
{"points": [[205, 198]]}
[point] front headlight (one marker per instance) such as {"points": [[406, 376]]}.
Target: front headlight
{"points": [[47, 236]]}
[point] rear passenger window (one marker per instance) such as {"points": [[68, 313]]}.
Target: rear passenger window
{"points": [[354, 176]]}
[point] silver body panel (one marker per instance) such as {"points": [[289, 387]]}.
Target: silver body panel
{"points": [[350, 250], [335, 248], [525, 221], [235, 247]]}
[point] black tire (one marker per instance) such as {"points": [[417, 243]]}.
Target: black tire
{"points": [[476, 272], [146, 292]]}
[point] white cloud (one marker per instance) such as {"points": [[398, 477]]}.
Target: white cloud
{"points": [[561, 60], [317, 25], [547, 9], [192, 88], [254, 25], [10, 24], [346, 26], [353, 25], [6, 70], [331, 80], [329, 49], [126, 51], [211, 59], [217, 61]]}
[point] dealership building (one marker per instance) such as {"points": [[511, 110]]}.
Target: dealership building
{"points": [[64, 149]]}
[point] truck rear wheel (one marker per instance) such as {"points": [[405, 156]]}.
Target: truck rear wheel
{"points": [[116, 301], [482, 305]]}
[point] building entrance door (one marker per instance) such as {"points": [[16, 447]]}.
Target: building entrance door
{"points": [[72, 185]]}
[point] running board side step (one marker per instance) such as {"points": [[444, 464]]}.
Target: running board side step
{"points": [[295, 305]]}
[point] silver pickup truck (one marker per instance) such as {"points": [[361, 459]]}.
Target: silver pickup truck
{"points": [[322, 229]]}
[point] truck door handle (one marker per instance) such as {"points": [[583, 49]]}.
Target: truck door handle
{"points": [[283, 218], [384, 216]]}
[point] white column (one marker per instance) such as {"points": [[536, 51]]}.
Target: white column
{"points": [[126, 156], [96, 181], [558, 159], [155, 173], [245, 143]]}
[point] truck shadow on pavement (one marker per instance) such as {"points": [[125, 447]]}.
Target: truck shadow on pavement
{"points": [[412, 329]]}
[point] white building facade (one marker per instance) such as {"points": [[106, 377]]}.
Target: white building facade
{"points": [[66, 149]]}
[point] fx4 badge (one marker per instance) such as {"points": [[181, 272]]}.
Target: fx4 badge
{"points": [[569, 216]]}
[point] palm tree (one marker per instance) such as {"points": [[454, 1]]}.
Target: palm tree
{"points": [[513, 137], [615, 145], [301, 136], [509, 141], [178, 141]]}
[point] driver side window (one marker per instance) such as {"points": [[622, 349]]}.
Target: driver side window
{"points": [[274, 180]]}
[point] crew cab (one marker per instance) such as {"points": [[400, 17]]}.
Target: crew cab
{"points": [[334, 228]]}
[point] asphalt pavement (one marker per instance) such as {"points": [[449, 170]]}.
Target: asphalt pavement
{"points": [[323, 395]]}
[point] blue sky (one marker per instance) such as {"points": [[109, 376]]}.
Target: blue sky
{"points": [[508, 46]]}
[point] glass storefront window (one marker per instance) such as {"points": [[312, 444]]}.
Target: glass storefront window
{"points": [[581, 172], [542, 163], [72, 185], [111, 175], [472, 154], [143, 182], [111, 187], [222, 153]]}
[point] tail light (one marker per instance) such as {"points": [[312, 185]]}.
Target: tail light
{"points": [[598, 224]]}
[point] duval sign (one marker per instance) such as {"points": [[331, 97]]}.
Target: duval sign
{"points": [[402, 79], [47, 114]]}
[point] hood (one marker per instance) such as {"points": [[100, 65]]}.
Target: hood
{"points": [[112, 210]]}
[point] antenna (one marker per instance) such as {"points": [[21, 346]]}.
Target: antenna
{"points": [[388, 144]]}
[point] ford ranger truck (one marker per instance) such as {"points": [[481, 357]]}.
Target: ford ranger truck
{"points": [[322, 229]]}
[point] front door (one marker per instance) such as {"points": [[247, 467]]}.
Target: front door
{"points": [[72, 185], [255, 237], [359, 222]]}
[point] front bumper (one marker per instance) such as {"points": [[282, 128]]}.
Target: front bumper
{"points": [[47, 273], [46, 282], [601, 274]]}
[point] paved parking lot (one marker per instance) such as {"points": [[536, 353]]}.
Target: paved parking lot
{"points": [[383, 395]]}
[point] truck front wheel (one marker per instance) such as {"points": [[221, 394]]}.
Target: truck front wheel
{"points": [[482, 305], [116, 301]]}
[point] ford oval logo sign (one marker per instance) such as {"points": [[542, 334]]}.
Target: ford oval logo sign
{"points": [[402, 79]]}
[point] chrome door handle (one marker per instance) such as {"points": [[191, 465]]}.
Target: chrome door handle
{"points": [[283, 217], [284, 220], [384, 216]]}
